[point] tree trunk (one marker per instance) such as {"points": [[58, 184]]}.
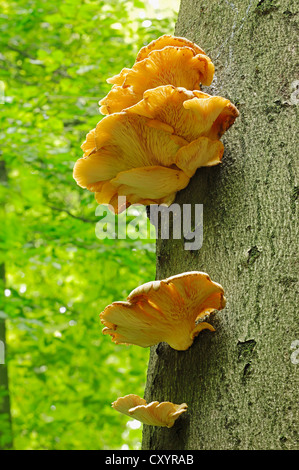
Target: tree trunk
{"points": [[5, 415], [240, 383]]}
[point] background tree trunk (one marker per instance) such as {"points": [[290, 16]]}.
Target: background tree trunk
{"points": [[240, 383], [5, 415]]}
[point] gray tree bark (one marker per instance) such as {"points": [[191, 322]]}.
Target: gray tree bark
{"points": [[241, 382]]}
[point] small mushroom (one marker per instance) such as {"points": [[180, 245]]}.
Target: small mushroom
{"points": [[168, 60], [149, 151], [155, 413], [169, 310]]}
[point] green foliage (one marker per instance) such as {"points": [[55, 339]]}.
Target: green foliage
{"points": [[64, 374]]}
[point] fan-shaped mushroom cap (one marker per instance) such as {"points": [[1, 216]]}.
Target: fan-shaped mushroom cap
{"points": [[130, 159], [189, 113], [149, 151], [177, 66], [89, 145], [154, 414], [167, 40], [223, 121], [167, 310]]}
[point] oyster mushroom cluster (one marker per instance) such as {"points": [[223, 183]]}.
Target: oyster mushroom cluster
{"points": [[158, 129], [171, 310]]}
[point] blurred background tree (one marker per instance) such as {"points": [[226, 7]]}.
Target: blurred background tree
{"points": [[63, 373]]}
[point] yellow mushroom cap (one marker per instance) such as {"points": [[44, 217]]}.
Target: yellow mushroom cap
{"points": [[130, 159], [164, 311], [149, 151], [167, 40], [155, 413], [172, 65], [188, 114], [89, 145]]}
